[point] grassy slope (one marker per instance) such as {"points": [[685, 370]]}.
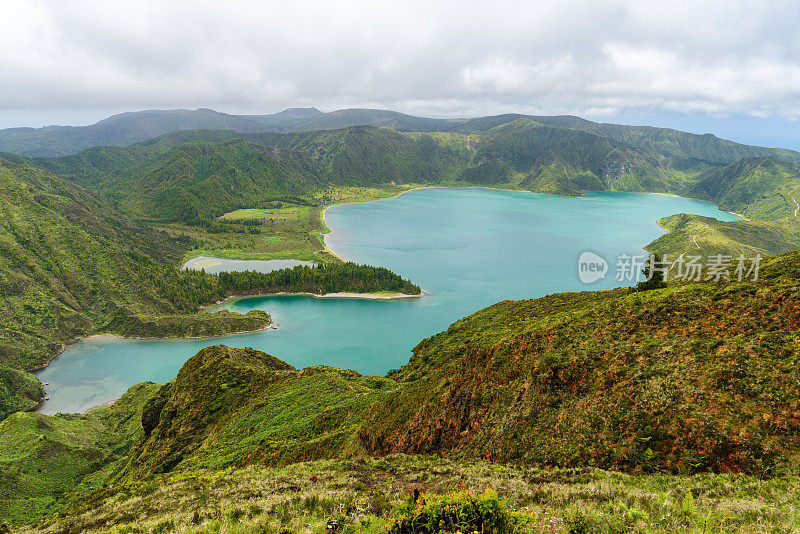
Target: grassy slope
{"points": [[44, 457], [368, 156], [186, 176], [679, 149], [732, 238], [209, 179], [501, 155], [205, 173], [226, 408], [19, 390], [527, 147], [759, 188], [655, 399], [68, 264], [692, 377], [240, 406], [176, 181]]}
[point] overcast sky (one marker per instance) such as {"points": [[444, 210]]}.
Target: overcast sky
{"points": [[730, 67]]}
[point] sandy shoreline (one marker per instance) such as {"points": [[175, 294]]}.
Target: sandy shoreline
{"points": [[346, 295], [325, 235]]}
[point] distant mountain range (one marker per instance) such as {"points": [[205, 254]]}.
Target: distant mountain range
{"points": [[190, 174], [118, 130], [128, 128], [203, 174]]}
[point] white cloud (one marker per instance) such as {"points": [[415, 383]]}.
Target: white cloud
{"points": [[443, 58]]}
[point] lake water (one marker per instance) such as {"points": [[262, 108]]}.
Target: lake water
{"points": [[467, 248]]}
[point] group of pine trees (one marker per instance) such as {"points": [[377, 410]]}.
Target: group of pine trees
{"points": [[318, 279], [189, 288]]}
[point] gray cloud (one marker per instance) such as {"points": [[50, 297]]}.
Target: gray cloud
{"points": [[436, 58]]}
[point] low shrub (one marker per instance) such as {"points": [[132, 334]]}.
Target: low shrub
{"points": [[462, 511]]}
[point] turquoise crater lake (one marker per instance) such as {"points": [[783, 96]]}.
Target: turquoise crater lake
{"points": [[467, 248]]}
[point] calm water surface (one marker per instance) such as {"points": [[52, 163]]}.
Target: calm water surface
{"points": [[467, 248]]}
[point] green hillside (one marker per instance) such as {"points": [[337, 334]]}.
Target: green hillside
{"points": [[374, 494], [679, 149], [206, 180], [69, 263], [761, 189], [75, 263], [704, 236], [594, 378], [234, 407], [758, 188], [183, 181], [366, 156], [203, 174], [44, 457], [19, 390], [528, 147]]}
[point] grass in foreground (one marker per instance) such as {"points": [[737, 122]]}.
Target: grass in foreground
{"points": [[375, 494]]}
